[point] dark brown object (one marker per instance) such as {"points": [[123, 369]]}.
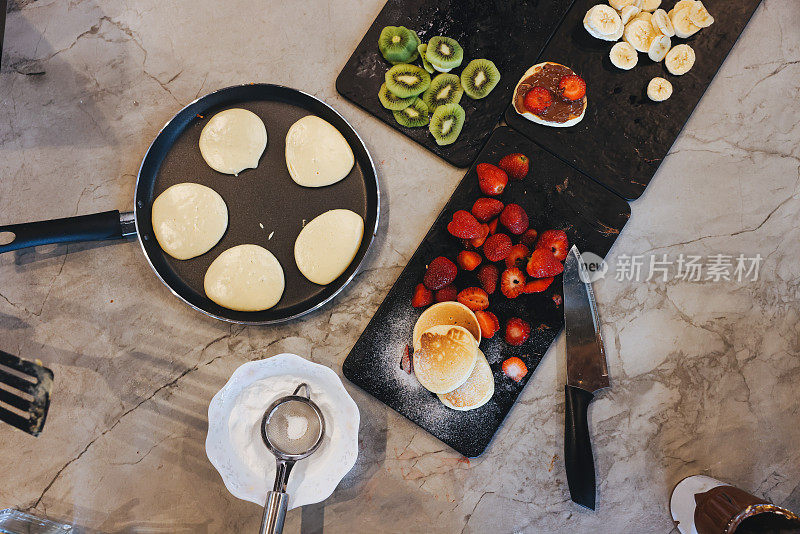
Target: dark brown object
{"points": [[562, 109], [729, 510]]}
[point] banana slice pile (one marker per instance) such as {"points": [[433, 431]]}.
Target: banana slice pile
{"points": [[645, 27]]}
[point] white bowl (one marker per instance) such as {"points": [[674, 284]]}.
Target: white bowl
{"points": [[234, 445]]}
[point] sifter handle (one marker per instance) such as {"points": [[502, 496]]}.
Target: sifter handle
{"points": [[274, 512]]}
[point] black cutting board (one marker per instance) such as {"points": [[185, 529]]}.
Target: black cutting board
{"points": [[511, 33], [555, 196], [624, 136]]}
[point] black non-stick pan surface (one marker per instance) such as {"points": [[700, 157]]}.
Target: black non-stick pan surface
{"points": [[265, 206]]}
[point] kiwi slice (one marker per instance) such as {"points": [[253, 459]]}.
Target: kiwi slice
{"points": [[446, 123], [392, 101], [413, 116], [398, 44], [479, 77], [444, 89], [444, 53], [425, 63], [407, 80]]}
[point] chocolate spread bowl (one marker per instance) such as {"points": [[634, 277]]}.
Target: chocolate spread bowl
{"points": [[562, 112]]}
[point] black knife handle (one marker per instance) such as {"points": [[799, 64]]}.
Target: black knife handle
{"points": [[95, 227], [577, 447]]}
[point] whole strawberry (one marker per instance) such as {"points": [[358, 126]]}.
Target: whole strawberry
{"points": [[491, 179], [440, 273], [516, 165]]}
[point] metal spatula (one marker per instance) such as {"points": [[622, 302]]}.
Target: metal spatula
{"points": [[24, 393]]}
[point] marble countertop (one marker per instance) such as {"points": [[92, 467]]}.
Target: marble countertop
{"points": [[704, 373]]}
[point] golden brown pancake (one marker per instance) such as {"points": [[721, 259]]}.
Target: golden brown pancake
{"points": [[447, 313], [446, 358], [476, 391]]}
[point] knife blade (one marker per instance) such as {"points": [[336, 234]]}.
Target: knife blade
{"points": [[587, 372]]}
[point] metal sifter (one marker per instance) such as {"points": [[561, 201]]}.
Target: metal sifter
{"points": [[292, 429]]}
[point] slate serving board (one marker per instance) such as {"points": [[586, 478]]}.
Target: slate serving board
{"points": [[624, 136], [511, 33], [555, 196]]}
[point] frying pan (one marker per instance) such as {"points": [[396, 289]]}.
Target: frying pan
{"points": [[265, 206]]}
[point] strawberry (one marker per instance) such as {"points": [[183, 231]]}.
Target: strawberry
{"points": [[537, 285], [474, 298], [406, 363], [422, 296], [515, 165], [497, 247], [447, 293], [488, 323], [440, 272], [572, 87], [515, 369], [486, 208], [529, 238], [543, 264], [488, 276], [514, 218], [468, 260], [478, 241], [557, 299], [464, 225], [517, 331], [493, 226], [556, 241], [537, 99], [518, 256], [491, 179], [512, 281]]}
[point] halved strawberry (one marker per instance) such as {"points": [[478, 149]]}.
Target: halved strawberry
{"points": [[537, 99], [440, 272], [512, 282], [557, 299], [488, 323], [517, 331], [478, 241], [537, 285], [464, 225], [488, 275], [406, 363], [422, 296], [468, 260], [474, 298], [543, 264], [447, 293], [556, 241], [493, 226], [491, 179], [515, 165], [514, 218], [529, 238], [572, 87], [515, 369], [518, 256], [497, 247], [486, 208]]}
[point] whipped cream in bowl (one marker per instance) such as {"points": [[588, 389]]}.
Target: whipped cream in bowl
{"points": [[234, 445]]}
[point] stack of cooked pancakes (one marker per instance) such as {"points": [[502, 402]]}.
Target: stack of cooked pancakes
{"points": [[447, 360]]}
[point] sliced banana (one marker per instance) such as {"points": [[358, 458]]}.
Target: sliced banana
{"points": [[659, 89], [680, 4], [661, 21], [650, 5], [659, 48], [628, 12], [680, 59], [623, 56], [700, 16], [620, 4], [603, 20], [639, 33], [684, 27], [616, 36], [644, 15]]}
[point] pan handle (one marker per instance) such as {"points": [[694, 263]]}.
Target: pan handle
{"points": [[94, 227]]}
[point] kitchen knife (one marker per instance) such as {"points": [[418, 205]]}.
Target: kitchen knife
{"points": [[586, 374]]}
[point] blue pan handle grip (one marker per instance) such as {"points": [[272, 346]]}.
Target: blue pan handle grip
{"points": [[94, 227]]}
